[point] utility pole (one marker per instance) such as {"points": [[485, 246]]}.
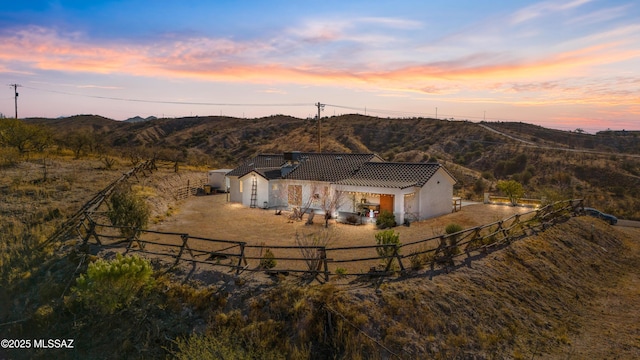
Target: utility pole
{"points": [[15, 90], [320, 108], [436, 113]]}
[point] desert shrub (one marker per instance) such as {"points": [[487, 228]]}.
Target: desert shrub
{"points": [[451, 248], [341, 272], [226, 345], [507, 167], [418, 259], [387, 237], [268, 261], [453, 228], [111, 285], [478, 186], [386, 219], [9, 156], [128, 210], [352, 219], [313, 256]]}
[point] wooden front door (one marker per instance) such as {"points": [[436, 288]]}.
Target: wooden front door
{"points": [[386, 203]]}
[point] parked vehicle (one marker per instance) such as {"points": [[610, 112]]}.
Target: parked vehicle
{"points": [[600, 215]]}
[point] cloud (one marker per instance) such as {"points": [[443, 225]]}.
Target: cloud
{"points": [[225, 59], [543, 9], [274, 91], [549, 76], [600, 16]]}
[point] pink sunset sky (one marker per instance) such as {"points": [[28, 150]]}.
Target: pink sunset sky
{"points": [[559, 64]]}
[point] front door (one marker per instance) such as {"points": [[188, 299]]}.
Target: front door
{"points": [[386, 203]]}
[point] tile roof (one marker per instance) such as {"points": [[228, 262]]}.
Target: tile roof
{"points": [[342, 169], [393, 174], [330, 167], [262, 161]]}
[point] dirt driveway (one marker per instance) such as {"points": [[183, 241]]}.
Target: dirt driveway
{"points": [[213, 218]]}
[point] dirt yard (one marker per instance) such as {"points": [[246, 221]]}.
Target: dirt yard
{"points": [[212, 217]]}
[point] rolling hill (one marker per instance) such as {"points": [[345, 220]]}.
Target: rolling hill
{"points": [[604, 168]]}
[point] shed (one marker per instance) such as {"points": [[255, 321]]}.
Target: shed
{"points": [[218, 180]]}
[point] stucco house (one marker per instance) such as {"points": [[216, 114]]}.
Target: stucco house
{"points": [[360, 183]]}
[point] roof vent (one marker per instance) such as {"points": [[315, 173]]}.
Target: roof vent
{"points": [[338, 157]]}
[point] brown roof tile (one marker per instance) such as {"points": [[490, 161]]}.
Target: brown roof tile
{"points": [[392, 174]]}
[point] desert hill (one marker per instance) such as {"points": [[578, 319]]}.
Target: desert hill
{"points": [[604, 168]]}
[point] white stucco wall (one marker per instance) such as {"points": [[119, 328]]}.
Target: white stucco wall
{"points": [[262, 190], [234, 190], [435, 196]]}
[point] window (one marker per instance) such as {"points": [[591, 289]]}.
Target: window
{"points": [[240, 185], [295, 195]]}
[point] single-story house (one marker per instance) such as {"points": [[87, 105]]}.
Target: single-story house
{"points": [[342, 182]]}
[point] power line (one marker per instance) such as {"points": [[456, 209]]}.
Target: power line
{"points": [[165, 101], [389, 112]]}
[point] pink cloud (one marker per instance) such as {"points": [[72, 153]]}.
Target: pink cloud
{"points": [[207, 59]]}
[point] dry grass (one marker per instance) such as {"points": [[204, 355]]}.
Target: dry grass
{"points": [[555, 295], [212, 217], [560, 294]]}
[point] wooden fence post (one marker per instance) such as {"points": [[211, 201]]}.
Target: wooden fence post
{"points": [[473, 242], [91, 231], [323, 256], [396, 253], [241, 259], [184, 238]]}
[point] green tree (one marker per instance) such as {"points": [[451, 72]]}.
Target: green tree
{"points": [[512, 189], [80, 142], [24, 137], [128, 210]]}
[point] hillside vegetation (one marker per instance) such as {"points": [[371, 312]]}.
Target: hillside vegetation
{"points": [[544, 296], [604, 169]]}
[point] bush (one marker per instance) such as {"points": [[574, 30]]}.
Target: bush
{"points": [[226, 345], [452, 245], [387, 237], [111, 285], [453, 228], [352, 219], [385, 220], [268, 261], [341, 272], [419, 259], [128, 210]]}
